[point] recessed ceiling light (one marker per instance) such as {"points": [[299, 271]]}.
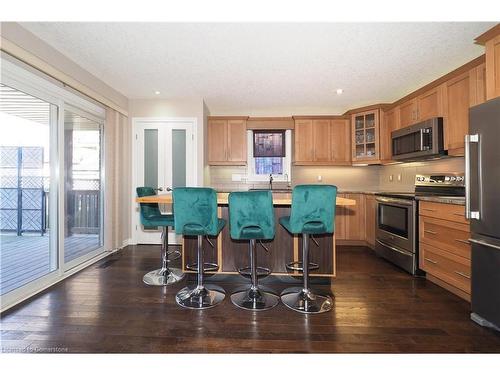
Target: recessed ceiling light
{"points": [[157, 92], [339, 91]]}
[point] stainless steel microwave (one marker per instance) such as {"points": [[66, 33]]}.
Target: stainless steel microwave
{"points": [[420, 141]]}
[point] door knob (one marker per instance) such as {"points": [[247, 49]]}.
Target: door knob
{"points": [[159, 189], [168, 189]]}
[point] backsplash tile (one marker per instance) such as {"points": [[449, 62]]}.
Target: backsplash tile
{"points": [[370, 178]]}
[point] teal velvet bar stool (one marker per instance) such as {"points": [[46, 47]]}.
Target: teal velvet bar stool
{"points": [[151, 216], [251, 217], [195, 214], [313, 212]]}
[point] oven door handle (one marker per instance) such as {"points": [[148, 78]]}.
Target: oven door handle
{"points": [[394, 200], [394, 248]]}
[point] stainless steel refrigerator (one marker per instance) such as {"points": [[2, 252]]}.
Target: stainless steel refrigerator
{"points": [[482, 185]]}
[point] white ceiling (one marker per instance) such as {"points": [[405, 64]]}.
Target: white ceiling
{"points": [[266, 68]]}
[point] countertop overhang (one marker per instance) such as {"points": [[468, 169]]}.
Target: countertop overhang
{"points": [[279, 199]]}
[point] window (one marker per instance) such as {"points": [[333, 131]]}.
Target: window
{"points": [[269, 152]]}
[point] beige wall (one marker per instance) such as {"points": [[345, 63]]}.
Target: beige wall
{"points": [[18, 35]]}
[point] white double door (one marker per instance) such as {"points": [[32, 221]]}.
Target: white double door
{"points": [[164, 155]]}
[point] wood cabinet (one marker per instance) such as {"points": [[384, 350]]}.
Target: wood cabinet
{"points": [[322, 142], [370, 212], [457, 113], [227, 142], [423, 107], [340, 138], [355, 218], [408, 113], [350, 220], [444, 250], [389, 123], [493, 68], [477, 85], [365, 137]]}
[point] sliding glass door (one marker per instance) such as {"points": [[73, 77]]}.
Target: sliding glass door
{"points": [[51, 181], [28, 199], [83, 219]]}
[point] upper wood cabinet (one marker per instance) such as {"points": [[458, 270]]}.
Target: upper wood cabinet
{"points": [[423, 107], [389, 122], [303, 141], [477, 85], [321, 142], [457, 113], [340, 136], [408, 113], [227, 143], [365, 137]]}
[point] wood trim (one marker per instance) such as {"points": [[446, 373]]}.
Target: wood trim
{"points": [[227, 117], [320, 117], [448, 287], [46, 68], [460, 70], [227, 163], [266, 123], [321, 163], [368, 108], [489, 34]]}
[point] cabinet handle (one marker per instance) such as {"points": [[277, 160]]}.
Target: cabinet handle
{"points": [[458, 214], [429, 231], [430, 260], [428, 209], [462, 241], [462, 274]]}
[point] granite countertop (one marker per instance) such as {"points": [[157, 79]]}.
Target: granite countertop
{"points": [[448, 200]]}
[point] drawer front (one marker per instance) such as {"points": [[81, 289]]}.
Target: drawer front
{"points": [[445, 235], [450, 268], [452, 212]]}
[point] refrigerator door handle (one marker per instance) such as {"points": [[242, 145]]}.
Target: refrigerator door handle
{"points": [[469, 138]]}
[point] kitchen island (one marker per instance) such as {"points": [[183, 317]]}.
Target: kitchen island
{"points": [[285, 248]]}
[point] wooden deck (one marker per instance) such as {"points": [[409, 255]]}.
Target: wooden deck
{"points": [[26, 258]]}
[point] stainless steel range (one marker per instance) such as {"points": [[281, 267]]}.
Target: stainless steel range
{"points": [[397, 217]]}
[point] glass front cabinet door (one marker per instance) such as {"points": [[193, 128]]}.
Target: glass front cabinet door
{"points": [[365, 137]]}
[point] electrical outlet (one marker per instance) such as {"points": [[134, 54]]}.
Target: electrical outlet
{"points": [[320, 178], [399, 176], [391, 178]]}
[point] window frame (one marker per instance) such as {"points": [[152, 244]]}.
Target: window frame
{"points": [[287, 160]]}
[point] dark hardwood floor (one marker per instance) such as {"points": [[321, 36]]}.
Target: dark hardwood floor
{"points": [[378, 308]]}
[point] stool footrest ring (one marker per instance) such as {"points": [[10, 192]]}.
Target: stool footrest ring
{"points": [[298, 266], [247, 271], [176, 255], [207, 267]]}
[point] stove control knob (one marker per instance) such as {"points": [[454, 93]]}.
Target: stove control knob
{"points": [[460, 178], [452, 178], [447, 178]]}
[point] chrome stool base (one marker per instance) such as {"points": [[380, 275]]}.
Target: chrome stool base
{"points": [[255, 299], [299, 266], [305, 301], [163, 277], [202, 297]]}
